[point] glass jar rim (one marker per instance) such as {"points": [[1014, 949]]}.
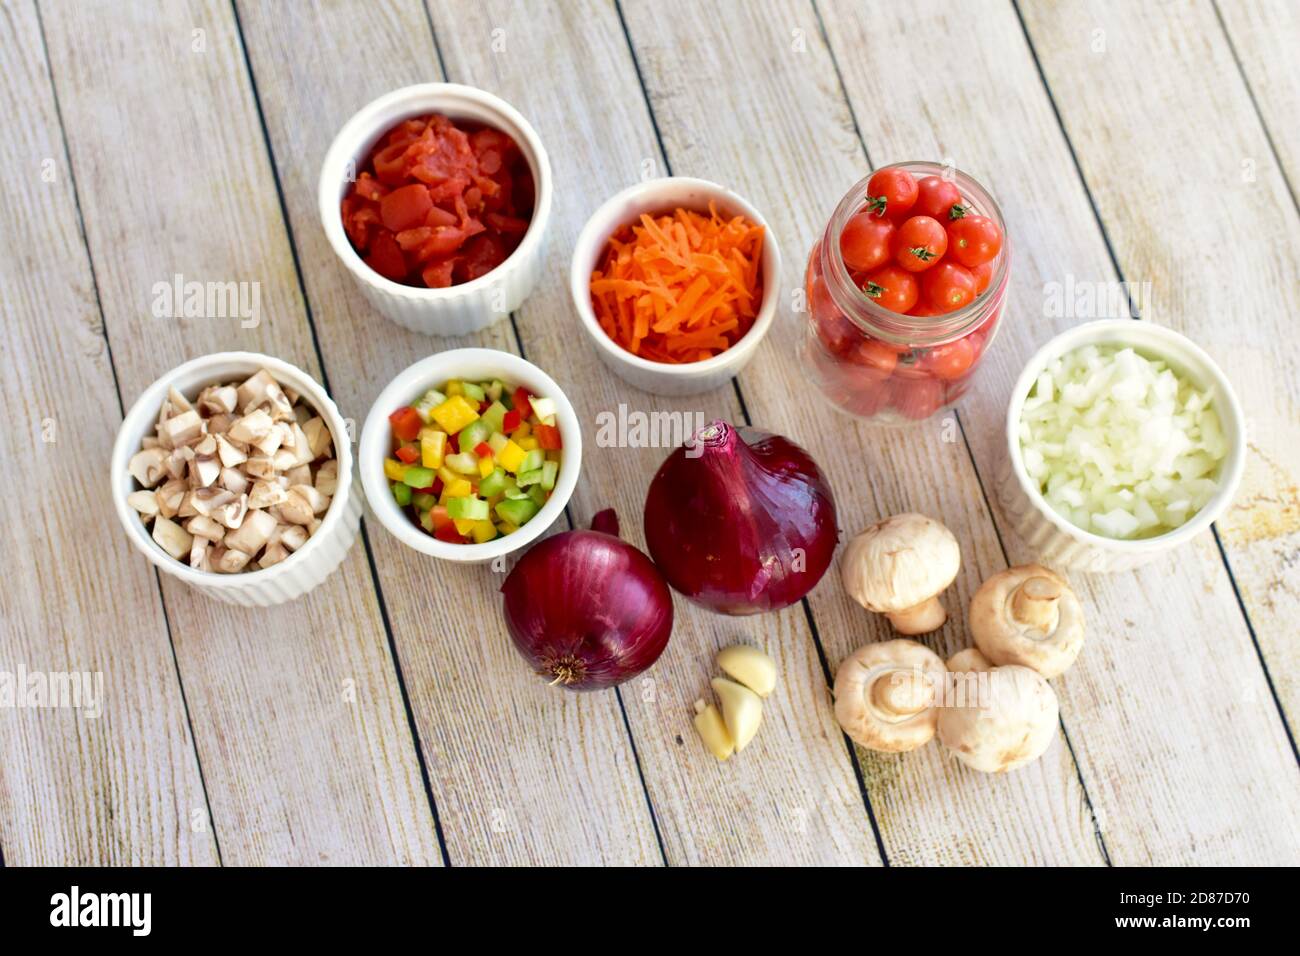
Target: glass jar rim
{"points": [[894, 327]]}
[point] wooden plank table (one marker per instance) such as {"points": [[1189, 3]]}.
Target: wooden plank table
{"points": [[385, 719]]}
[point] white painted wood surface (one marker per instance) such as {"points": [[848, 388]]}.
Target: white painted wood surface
{"points": [[194, 134]]}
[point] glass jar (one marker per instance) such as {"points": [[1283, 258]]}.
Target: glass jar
{"points": [[883, 366]]}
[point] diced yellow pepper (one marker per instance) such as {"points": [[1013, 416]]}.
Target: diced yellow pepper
{"points": [[485, 466], [510, 457], [464, 526], [433, 444], [454, 388], [505, 527], [447, 475], [528, 443], [394, 470], [483, 531], [454, 414], [523, 431], [460, 488]]}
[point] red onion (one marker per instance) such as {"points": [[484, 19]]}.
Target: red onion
{"points": [[586, 609], [741, 521]]}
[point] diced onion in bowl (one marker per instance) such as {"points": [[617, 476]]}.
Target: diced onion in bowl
{"points": [[1120, 444]]}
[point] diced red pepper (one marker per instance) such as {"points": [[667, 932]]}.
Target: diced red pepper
{"points": [[512, 421], [439, 518], [449, 534], [483, 406], [453, 444], [548, 437], [522, 405], [406, 423], [482, 449], [408, 453]]}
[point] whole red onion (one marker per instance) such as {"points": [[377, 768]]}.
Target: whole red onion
{"points": [[586, 609], [741, 521]]}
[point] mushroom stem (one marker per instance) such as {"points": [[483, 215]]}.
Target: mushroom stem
{"points": [[902, 693], [922, 618], [1034, 604]]}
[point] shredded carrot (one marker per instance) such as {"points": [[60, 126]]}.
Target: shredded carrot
{"points": [[680, 287]]}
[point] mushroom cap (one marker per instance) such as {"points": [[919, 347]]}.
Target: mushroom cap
{"points": [[899, 563], [1013, 724], [1049, 646], [901, 673]]}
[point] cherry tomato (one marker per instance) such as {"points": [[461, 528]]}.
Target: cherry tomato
{"points": [[974, 240], [934, 197], [916, 398], [919, 243], [948, 286], [950, 361], [874, 356], [924, 309], [983, 274], [891, 193], [866, 242], [892, 287]]}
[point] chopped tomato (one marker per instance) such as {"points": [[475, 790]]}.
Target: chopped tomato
{"points": [[439, 202]]}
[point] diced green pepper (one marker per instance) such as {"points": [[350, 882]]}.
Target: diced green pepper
{"points": [[473, 433], [495, 390], [467, 509], [527, 478], [417, 477], [426, 521], [550, 471], [498, 442], [493, 484], [517, 510], [538, 494], [473, 391], [533, 460], [466, 463], [494, 418], [431, 399], [401, 493], [422, 500]]}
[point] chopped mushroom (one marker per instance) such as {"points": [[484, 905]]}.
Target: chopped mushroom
{"points": [[249, 467], [1028, 615], [1000, 718], [885, 695], [898, 567], [148, 466]]}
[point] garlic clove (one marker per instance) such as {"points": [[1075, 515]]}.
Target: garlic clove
{"points": [[742, 710], [749, 666], [709, 725]]}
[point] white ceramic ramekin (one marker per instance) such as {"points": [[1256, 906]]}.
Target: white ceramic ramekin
{"points": [[1055, 540], [306, 567], [657, 196], [459, 309], [472, 365]]}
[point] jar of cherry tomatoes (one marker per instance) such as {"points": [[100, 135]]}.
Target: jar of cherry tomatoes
{"points": [[905, 292]]}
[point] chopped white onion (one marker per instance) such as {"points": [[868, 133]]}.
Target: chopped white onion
{"points": [[1120, 444]]}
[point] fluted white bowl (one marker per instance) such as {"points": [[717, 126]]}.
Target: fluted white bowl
{"points": [[305, 568], [458, 309]]}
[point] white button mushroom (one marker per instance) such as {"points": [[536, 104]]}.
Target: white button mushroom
{"points": [[999, 718], [898, 567], [148, 466], [1028, 615], [885, 695]]}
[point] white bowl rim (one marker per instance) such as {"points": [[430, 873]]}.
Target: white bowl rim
{"points": [[598, 223], [151, 400], [1225, 400], [426, 96], [429, 372]]}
